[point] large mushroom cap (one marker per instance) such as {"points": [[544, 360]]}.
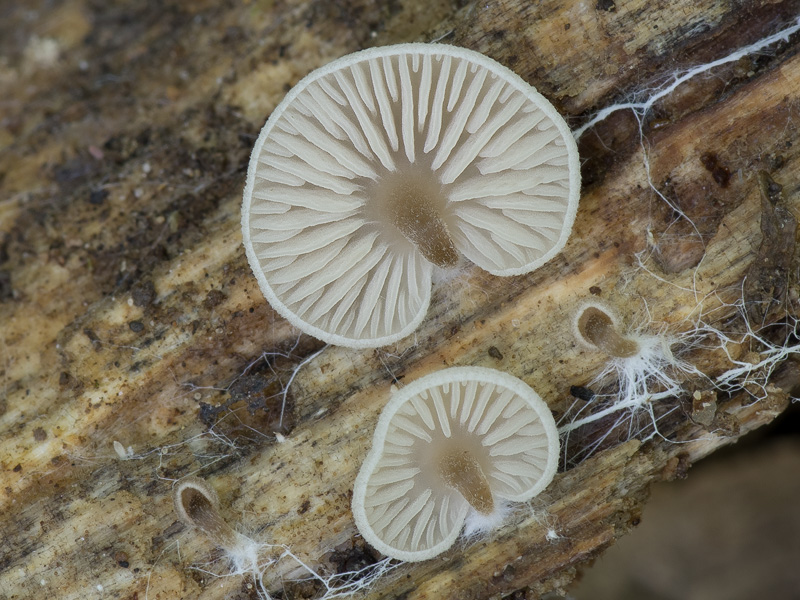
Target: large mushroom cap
{"points": [[389, 162], [457, 440]]}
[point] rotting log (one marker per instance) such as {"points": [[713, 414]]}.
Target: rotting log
{"points": [[128, 312]]}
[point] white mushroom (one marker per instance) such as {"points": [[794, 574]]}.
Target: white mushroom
{"points": [[389, 163], [197, 505], [458, 441]]}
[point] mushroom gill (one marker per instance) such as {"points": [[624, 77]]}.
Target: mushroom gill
{"points": [[460, 440], [389, 163]]}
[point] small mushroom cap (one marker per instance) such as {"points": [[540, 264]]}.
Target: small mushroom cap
{"points": [[597, 327], [390, 162], [197, 505], [400, 503]]}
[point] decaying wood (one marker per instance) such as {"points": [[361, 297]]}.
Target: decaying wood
{"points": [[128, 312]]}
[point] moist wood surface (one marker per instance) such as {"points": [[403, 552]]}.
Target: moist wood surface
{"points": [[128, 312]]}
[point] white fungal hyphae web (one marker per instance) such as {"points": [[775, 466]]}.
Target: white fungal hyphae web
{"points": [[633, 389], [663, 367], [433, 135], [631, 385], [641, 107], [754, 376], [644, 101], [276, 566], [268, 564]]}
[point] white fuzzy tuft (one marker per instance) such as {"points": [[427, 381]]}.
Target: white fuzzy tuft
{"points": [[478, 525], [656, 372], [244, 555], [442, 276]]}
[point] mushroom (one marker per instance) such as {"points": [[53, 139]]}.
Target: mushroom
{"points": [[597, 327], [641, 364], [455, 443], [197, 505], [388, 164]]}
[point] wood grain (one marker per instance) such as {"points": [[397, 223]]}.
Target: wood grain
{"points": [[128, 312]]}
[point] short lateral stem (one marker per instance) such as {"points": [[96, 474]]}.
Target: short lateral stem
{"points": [[414, 203], [460, 471]]}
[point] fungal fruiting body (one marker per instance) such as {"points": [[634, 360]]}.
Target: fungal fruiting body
{"points": [[197, 505], [388, 164], [642, 363], [455, 444], [595, 326]]}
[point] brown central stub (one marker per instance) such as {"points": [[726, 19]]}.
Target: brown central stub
{"points": [[459, 470], [414, 203]]}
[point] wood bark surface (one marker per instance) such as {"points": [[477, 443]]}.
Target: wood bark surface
{"points": [[128, 311]]}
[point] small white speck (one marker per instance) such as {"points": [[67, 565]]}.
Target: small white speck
{"points": [[122, 452], [198, 395], [42, 582], [146, 168], [130, 301], [280, 438], [99, 588], [119, 449], [83, 65], [138, 192]]}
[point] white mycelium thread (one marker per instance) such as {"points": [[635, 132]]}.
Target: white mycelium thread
{"points": [[401, 504], [388, 162]]}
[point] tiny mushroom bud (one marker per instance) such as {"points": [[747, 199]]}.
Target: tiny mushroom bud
{"points": [[641, 364], [387, 164], [598, 328], [452, 444], [197, 505]]}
